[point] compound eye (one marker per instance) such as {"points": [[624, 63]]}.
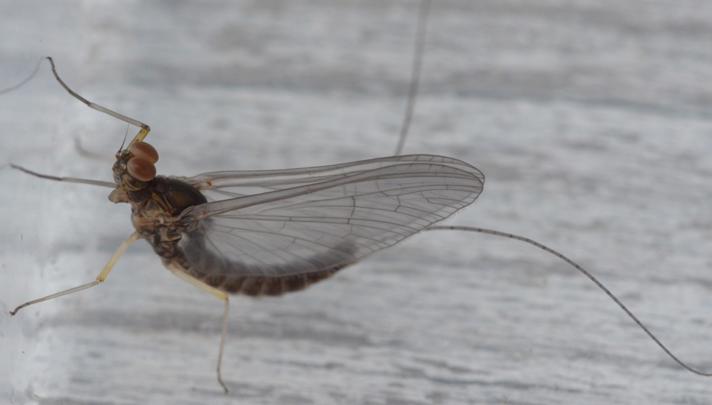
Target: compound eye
{"points": [[142, 150], [141, 169]]}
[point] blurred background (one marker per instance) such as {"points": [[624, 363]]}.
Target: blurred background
{"points": [[591, 120]]}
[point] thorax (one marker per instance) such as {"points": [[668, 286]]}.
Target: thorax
{"points": [[156, 211]]}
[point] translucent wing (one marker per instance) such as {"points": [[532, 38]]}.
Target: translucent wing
{"points": [[319, 219], [229, 184]]}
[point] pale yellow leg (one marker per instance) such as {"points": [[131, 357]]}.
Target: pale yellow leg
{"points": [[222, 343], [141, 135], [219, 294], [99, 279]]}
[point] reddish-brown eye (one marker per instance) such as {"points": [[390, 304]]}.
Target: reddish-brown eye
{"points": [[141, 169], [144, 151]]}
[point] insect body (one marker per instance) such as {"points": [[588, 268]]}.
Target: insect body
{"points": [[271, 232], [312, 223]]}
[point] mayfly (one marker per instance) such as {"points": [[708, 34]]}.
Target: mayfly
{"points": [[271, 232], [300, 227]]}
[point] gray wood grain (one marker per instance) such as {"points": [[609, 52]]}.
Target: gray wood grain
{"points": [[590, 119]]}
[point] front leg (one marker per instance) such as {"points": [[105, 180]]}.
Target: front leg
{"points": [[64, 179], [99, 279], [142, 133]]}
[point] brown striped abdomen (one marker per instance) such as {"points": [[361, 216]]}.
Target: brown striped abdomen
{"points": [[252, 285], [191, 257]]}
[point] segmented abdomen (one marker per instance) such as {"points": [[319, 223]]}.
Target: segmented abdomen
{"points": [[251, 285], [192, 258]]}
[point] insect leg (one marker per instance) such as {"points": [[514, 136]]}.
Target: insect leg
{"points": [[223, 334], [221, 295], [99, 279], [65, 179], [142, 133]]}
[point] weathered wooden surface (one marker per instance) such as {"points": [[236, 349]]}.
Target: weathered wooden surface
{"points": [[591, 120]]}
